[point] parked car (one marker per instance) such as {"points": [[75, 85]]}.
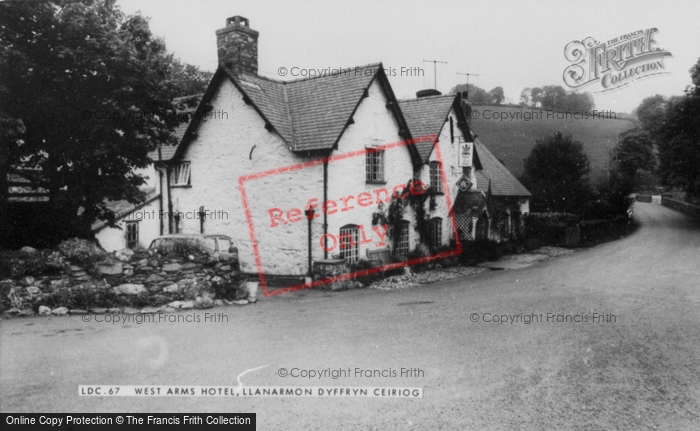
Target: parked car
{"points": [[221, 244]]}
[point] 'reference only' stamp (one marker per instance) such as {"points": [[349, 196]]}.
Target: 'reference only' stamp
{"points": [[332, 222]]}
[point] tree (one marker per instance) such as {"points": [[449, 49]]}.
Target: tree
{"points": [[578, 102], [677, 135], [635, 151], [554, 98], [556, 173], [525, 96], [536, 96], [189, 79], [86, 95], [650, 114], [497, 95], [476, 94]]}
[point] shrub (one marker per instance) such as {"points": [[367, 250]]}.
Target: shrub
{"points": [[368, 279], [480, 250], [419, 253], [83, 252], [15, 264], [184, 247]]}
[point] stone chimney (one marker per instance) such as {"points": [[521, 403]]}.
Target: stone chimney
{"points": [[237, 46], [427, 93]]}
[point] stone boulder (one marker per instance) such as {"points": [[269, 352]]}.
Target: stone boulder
{"points": [[129, 289], [171, 267], [60, 311], [27, 249], [107, 269]]}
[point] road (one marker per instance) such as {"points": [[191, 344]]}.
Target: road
{"points": [[640, 371]]}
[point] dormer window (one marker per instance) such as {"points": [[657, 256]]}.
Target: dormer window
{"points": [[181, 174]]}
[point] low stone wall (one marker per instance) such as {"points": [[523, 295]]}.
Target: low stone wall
{"points": [[684, 207], [146, 284]]}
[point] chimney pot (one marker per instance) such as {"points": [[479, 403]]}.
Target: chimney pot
{"points": [[237, 46], [429, 92]]}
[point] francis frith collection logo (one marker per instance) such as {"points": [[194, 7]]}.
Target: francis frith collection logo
{"points": [[615, 63]]}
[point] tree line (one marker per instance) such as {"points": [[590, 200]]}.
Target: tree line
{"points": [[671, 126], [556, 98]]}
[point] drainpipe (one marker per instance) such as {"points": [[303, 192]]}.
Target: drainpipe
{"points": [[160, 192], [170, 201], [325, 216], [309, 216]]}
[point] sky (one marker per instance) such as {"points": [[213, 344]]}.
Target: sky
{"points": [[512, 44]]}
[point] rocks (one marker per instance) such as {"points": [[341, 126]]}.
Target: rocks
{"points": [[11, 311], [129, 310], [78, 311], [124, 255], [175, 304], [33, 290], [150, 310], [187, 305], [60, 311], [107, 269], [171, 267], [98, 310], [44, 310], [28, 280], [129, 289], [171, 288], [188, 265], [27, 249], [252, 288], [154, 278], [204, 303]]}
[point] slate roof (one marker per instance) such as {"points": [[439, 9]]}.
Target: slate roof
{"points": [[122, 208], [310, 114], [503, 183], [184, 106], [426, 116]]}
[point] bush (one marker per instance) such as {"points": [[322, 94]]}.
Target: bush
{"points": [[480, 250], [419, 253], [368, 279], [83, 252], [85, 298], [15, 264], [184, 247]]}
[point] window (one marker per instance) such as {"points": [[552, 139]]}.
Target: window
{"points": [[436, 232], [435, 177], [349, 243], [402, 240], [375, 166], [181, 174], [132, 234]]}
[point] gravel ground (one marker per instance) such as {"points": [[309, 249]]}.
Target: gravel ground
{"points": [[411, 279]]}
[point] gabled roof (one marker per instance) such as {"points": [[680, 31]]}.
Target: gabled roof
{"points": [[309, 114], [123, 208], [185, 107], [503, 183], [426, 116]]}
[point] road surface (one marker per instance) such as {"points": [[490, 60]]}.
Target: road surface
{"points": [[639, 371]]}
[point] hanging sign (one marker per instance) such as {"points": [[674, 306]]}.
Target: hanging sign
{"points": [[466, 154]]}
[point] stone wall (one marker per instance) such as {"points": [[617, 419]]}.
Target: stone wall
{"points": [[145, 283]]}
